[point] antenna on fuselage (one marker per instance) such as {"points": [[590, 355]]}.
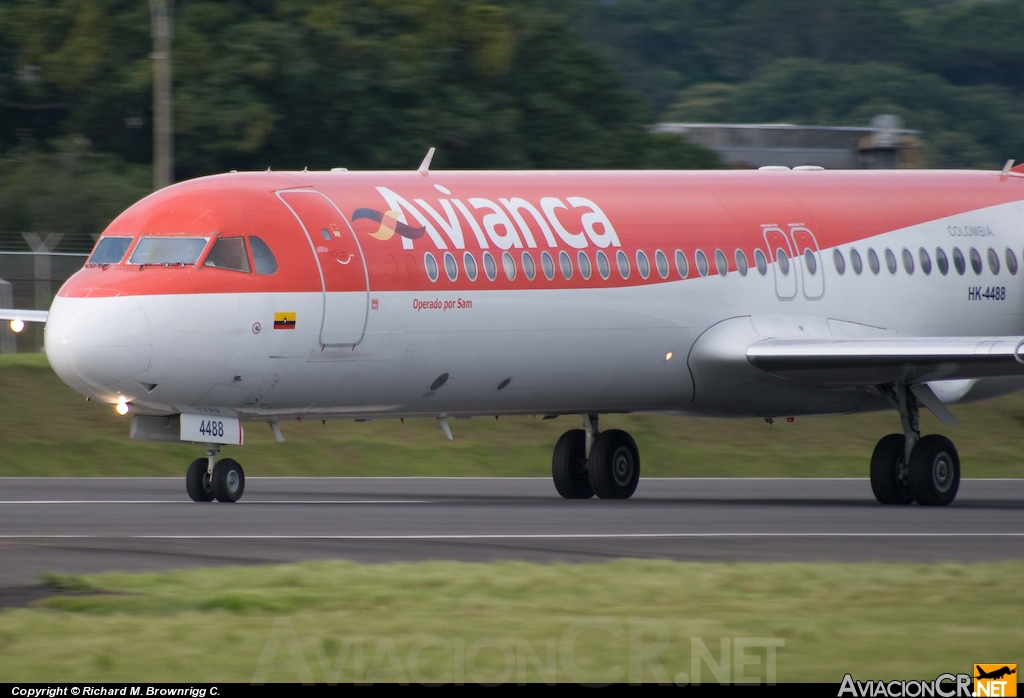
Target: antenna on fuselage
{"points": [[424, 168], [1007, 167]]}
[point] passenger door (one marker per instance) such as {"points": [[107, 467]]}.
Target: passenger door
{"points": [[340, 260]]}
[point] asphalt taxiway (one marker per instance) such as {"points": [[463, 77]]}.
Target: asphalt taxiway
{"points": [[83, 525]]}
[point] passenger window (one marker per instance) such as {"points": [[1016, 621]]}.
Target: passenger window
{"points": [[490, 267], [873, 261], [976, 261], [908, 261], [583, 262], [508, 265], [926, 261], [548, 265], [958, 261], [720, 263], [890, 260], [431, 266], [682, 266], [702, 263], [856, 262], [783, 260], [229, 253], [941, 261], [604, 268], [529, 268], [1011, 261], [761, 261], [565, 264], [741, 262], [622, 261], [262, 256], [993, 261], [470, 264], [643, 265], [837, 257], [451, 268], [661, 261], [110, 250], [810, 261]]}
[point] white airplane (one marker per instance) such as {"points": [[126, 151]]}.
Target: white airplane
{"points": [[356, 295]]}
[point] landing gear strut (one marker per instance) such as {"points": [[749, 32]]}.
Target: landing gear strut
{"points": [[588, 462], [908, 467], [208, 478]]}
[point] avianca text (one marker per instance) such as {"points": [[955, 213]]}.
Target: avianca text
{"points": [[506, 223]]}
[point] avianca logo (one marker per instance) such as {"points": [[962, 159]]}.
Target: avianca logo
{"points": [[388, 224], [506, 224]]}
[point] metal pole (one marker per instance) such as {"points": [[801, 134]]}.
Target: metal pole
{"points": [[163, 127], [8, 342]]}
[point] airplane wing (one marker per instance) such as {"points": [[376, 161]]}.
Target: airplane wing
{"points": [[23, 315], [728, 361], [875, 361]]}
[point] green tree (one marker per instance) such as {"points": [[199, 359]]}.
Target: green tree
{"points": [[356, 83], [69, 189], [662, 46], [971, 42], [962, 126]]}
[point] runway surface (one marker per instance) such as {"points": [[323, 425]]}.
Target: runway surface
{"points": [[71, 525]]}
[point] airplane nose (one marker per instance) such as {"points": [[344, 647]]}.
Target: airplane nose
{"points": [[95, 345]]}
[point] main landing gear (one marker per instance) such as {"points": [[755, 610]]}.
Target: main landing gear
{"points": [[587, 462], [909, 468], [208, 478]]}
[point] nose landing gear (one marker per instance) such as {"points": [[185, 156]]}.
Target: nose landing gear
{"points": [[587, 462], [208, 479], [198, 482]]}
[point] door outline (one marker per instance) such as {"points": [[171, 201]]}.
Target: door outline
{"points": [[773, 236], [328, 306], [803, 240]]}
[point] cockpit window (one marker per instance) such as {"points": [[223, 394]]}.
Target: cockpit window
{"points": [[110, 250], [168, 250], [262, 256], [229, 253]]}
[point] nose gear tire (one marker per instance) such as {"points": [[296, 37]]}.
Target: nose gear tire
{"points": [[196, 484], [228, 480]]}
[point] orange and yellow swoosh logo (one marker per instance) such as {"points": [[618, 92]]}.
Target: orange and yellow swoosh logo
{"points": [[387, 224]]}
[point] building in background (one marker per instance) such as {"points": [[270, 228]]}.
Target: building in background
{"points": [[883, 145]]}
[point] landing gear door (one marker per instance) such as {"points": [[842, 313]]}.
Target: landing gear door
{"points": [[780, 252], [340, 260], [807, 256]]}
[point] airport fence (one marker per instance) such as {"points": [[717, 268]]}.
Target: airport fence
{"points": [[30, 280]]}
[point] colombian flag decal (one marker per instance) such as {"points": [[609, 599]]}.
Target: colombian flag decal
{"points": [[284, 321]]}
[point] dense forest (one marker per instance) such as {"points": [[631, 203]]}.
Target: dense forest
{"points": [[953, 70], [491, 83]]}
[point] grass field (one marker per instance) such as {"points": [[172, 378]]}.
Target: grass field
{"points": [[441, 622], [48, 429]]}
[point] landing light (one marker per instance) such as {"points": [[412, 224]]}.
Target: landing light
{"points": [[17, 325], [668, 356], [122, 407]]}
